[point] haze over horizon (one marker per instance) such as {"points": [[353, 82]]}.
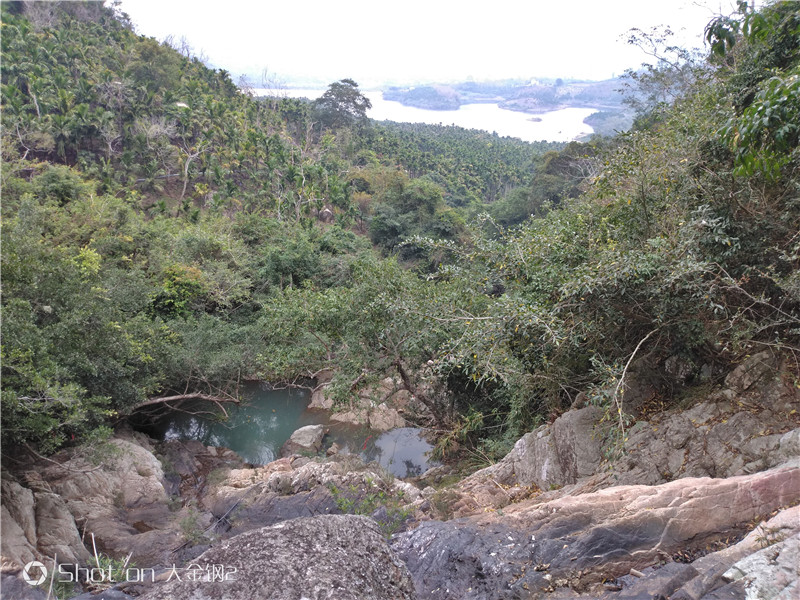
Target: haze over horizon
{"points": [[420, 41]]}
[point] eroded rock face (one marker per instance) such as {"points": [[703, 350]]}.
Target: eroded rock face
{"points": [[128, 503], [336, 557], [384, 418], [756, 367], [18, 523], [579, 541], [123, 503], [559, 454], [747, 428]]}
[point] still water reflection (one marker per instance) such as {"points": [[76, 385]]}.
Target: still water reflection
{"points": [[258, 428]]}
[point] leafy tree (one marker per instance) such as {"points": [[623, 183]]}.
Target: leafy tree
{"points": [[342, 104]]}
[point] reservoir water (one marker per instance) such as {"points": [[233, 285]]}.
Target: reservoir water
{"points": [[558, 125], [258, 428]]}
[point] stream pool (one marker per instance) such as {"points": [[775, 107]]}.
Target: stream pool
{"points": [[258, 428]]}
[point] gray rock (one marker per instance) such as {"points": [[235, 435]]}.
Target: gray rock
{"points": [[580, 541], [14, 588], [334, 557], [270, 509], [659, 583], [772, 572], [534, 459], [319, 400], [751, 370], [577, 443], [305, 439], [110, 594], [713, 566], [18, 524], [555, 455], [56, 530], [732, 591]]}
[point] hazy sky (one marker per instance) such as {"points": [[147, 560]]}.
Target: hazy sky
{"points": [[375, 41]]}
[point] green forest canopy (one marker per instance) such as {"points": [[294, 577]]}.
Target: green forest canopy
{"points": [[165, 233]]}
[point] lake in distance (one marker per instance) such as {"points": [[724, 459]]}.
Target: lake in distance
{"points": [[562, 125]]}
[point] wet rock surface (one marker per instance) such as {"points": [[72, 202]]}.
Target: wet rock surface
{"points": [[336, 557]]}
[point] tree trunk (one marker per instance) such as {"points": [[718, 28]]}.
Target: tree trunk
{"points": [[438, 414]]}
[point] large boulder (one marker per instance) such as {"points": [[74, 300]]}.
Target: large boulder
{"points": [[126, 504], [307, 439], [558, 454], [336, 557], [122, 501], [18, 523]]}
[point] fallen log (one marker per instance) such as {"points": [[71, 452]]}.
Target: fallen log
{"points": [[181, 397]]}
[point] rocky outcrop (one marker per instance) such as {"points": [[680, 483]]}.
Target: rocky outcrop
{"points": [[36, 524], [122, 502], [296, 487], [772, 572], [379, 418], [306, 440], [669, 517], [578, 542], [384, 418], [336, 557], [755, 368], [379, 407], [129, 503], [748, 427]]}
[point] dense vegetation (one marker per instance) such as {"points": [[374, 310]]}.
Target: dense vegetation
{"points": [[167, 234]]}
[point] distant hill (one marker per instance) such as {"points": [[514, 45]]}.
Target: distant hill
{"points": [[530, 96], [527, 96]]}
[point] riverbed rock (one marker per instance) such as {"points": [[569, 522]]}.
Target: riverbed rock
{"points": [[37, 525], [285, 489], [15, 588], [580, 541], [358, 416], [384, 418], [122, 501], [336, 557], [307, 439], [714, 568], [117, 498]]}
